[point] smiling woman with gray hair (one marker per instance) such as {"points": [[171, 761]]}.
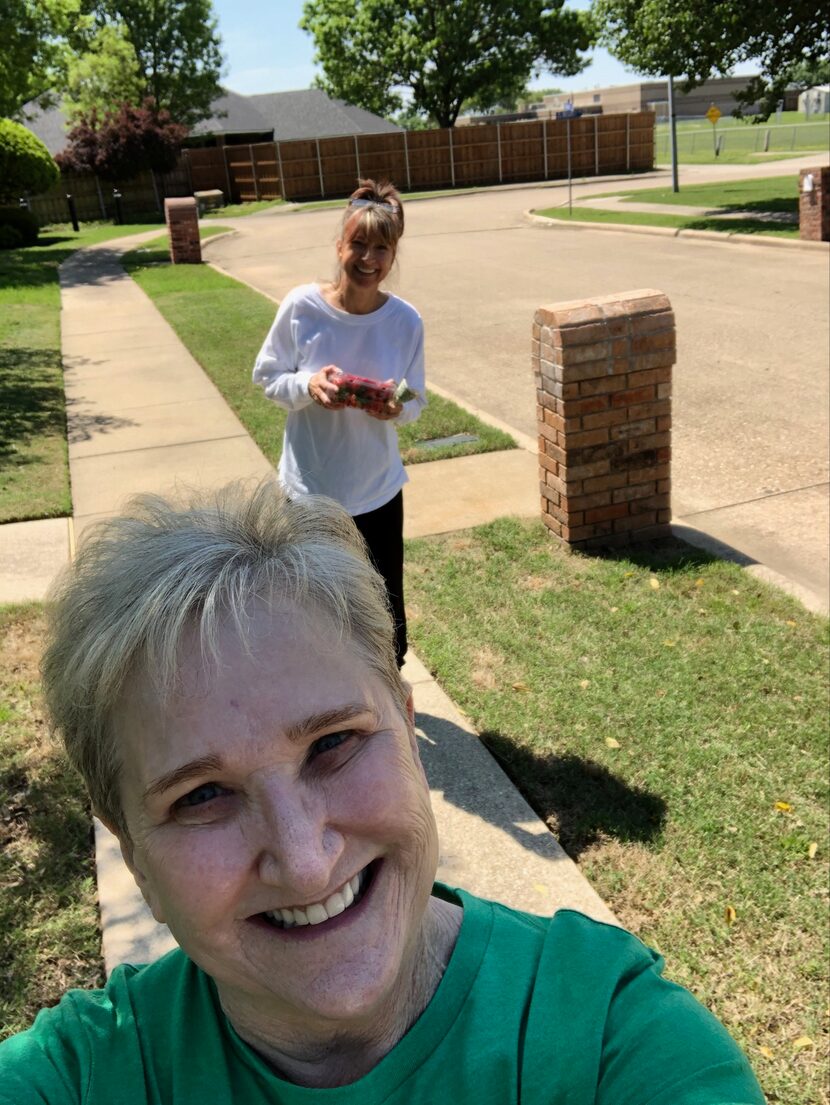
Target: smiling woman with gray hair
{"points": [[224, 677]]}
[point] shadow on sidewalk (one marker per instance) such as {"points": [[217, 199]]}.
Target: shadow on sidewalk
{"points": [[579, 800]]}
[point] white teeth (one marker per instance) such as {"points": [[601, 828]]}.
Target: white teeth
{"points": [[334, 905], [315, 914]]}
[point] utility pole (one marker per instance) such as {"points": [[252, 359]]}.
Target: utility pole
{"points": [[675, 186]]}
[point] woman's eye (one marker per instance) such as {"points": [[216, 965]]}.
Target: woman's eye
{"points": [[329, 742], [200, 795]]}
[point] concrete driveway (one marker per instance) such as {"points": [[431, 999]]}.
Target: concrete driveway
{"points": [[751, 382]]}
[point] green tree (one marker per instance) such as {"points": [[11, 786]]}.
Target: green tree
{"points": [[482, 51], [26, 166], [695, 41], [35, 38], [177, 50], [104, 75]]}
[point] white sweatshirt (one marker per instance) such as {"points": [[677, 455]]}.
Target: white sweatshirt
{"points": [[345, 454]]}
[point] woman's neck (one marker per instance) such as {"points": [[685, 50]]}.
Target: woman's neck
{"points": [[355, 301], [324, 1056]]}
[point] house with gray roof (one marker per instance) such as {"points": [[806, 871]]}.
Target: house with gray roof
{"points": [[236, 119]]}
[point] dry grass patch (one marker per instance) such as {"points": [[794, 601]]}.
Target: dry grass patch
{"points": [[48, 911]]}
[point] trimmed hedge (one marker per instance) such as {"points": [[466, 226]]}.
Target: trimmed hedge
{"points": [[26, 166], [18, 227]]}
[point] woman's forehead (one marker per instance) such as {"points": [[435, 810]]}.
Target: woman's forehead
{"points": [[365, 224]]}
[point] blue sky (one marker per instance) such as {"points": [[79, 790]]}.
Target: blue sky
{"points": [[267, 52]]}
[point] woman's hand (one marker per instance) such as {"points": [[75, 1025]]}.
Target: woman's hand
{"points": [[322, 388]]}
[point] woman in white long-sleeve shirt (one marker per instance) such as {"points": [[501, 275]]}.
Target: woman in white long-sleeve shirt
{"points": [[349, 453]]}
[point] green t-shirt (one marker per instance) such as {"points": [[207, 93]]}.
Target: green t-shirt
{"points": [[530, 1010]]}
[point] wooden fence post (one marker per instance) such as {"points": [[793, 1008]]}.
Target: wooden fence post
{"points": [[279, 166], [227, 173], [320, 170], [627, 142], [596, 145], [406, 159], [545, 145], [357, 157], [498, 147], [452, 157], [253, 171]]}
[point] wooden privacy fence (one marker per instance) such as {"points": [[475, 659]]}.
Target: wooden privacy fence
{"points": [[497, 153], [320, 168], [141, 195]]}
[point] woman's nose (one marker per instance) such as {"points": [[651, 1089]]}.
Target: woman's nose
{"points": [[298, 848]]}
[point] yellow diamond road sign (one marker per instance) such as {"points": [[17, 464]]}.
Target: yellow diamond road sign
{"points": [[713, 114]]}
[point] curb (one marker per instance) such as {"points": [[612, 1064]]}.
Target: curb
{"points": [[727, 236]]}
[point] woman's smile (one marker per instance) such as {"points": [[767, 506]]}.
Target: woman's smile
{"points": [[349, 895]]}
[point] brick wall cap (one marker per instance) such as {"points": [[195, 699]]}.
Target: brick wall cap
{"points": [[581, 312]]}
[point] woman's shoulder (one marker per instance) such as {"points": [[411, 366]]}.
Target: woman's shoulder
{"points": [[403, 308]]}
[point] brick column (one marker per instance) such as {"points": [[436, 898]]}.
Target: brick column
{"points": [[182, 218], [814, 206], [603, 385]]}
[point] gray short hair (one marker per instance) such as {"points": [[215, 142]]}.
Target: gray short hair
{"points": [[142, 579]]}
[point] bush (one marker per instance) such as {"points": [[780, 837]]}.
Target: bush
{"points": [[26, 166], [18, 227], [10, 237]]}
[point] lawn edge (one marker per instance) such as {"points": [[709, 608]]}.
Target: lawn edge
{"points": [[725, 236]]}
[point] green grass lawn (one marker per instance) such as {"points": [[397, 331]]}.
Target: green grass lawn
{"points": [[223, 324], [666, 714], [743, 142], [678, 222], [48, 908], [34, 472], [776, 195]]}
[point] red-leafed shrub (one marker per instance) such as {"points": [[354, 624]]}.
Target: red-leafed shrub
{"points": [[120, 143]]}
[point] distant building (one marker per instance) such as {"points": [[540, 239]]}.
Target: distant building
{"points": [[653, 96], [237, 119], [815, 101]]}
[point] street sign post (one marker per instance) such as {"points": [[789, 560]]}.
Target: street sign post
{"points": [[713, 114]]}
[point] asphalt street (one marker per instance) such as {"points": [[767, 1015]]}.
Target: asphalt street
{"points": [[750, 409]]}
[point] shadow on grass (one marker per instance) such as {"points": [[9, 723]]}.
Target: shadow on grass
{"points": [[674, 554], [580, 800], [31, 399]]}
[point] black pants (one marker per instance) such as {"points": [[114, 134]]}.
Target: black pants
{"points": [[382, 530]]}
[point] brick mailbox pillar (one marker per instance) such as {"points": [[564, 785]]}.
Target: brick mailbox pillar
{"points": [[603, 372], [814, 204], [182, 218]]}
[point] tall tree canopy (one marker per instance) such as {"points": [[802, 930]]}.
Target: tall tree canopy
{"points": [[104, 75], [99, 53], [695, 41], [445, 53], [177, 50], [34, 49]]}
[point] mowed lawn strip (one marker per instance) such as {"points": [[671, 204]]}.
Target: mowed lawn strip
{"points": [[772, 196], [48, 908], [34, 468], [223, 324], [667, 716]]}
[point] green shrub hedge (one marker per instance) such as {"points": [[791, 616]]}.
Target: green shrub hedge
{"points": [[26, 166], [18, 227]]}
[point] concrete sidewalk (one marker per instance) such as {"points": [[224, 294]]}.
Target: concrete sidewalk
{"points": [[143, 416]]}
